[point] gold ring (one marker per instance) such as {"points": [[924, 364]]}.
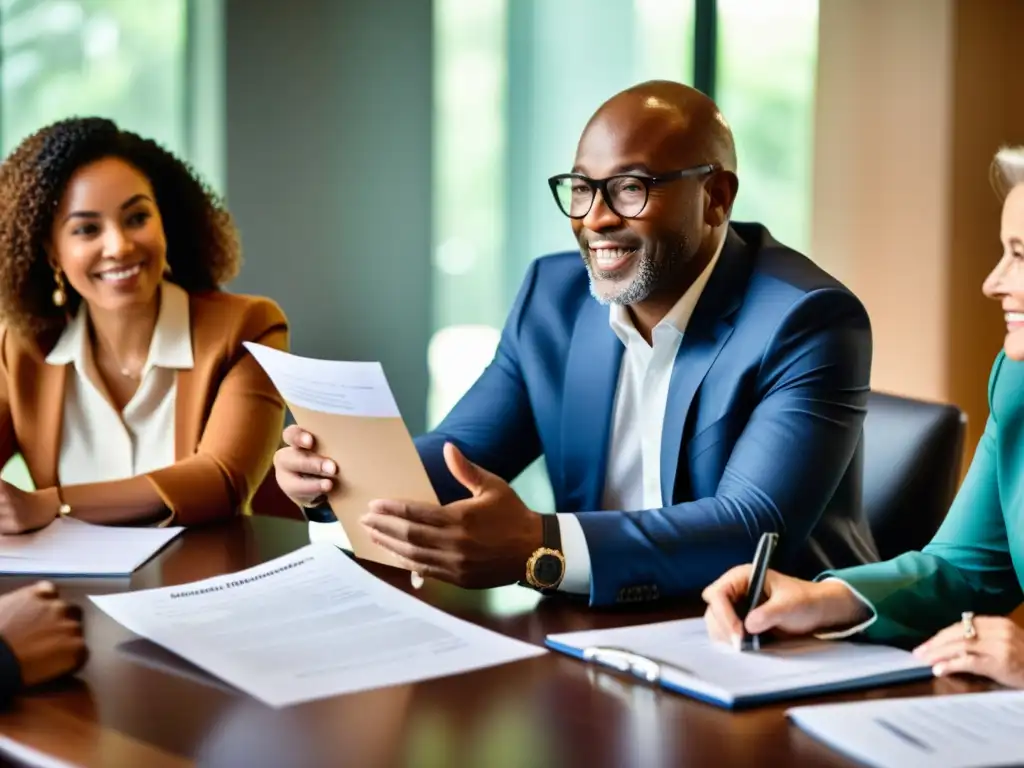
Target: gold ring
{"points": [[967, 619]]}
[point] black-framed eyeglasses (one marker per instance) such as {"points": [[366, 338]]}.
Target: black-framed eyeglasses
{"points": [[626, 194]]}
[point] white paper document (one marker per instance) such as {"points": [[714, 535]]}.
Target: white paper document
{"points": [[309, 625], [689, 662], [68, 547], [328, 386], [970, 730]]}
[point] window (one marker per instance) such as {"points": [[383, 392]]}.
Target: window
{"points": [[511, 100], [122, 59], [469, 121], [509, 108], [116, 58], [766, 61]]}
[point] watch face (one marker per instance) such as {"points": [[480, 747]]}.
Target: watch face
{"points": [[547, 569]]}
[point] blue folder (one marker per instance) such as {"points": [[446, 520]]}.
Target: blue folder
{"points": [[843, 666]]}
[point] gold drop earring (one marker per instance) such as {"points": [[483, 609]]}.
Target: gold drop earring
{"points": [[59, 296]]}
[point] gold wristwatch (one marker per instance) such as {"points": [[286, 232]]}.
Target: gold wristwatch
{"points": [[546, 566]]}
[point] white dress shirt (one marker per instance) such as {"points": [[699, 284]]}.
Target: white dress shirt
{"points": [[633, 475], [100, 444]]}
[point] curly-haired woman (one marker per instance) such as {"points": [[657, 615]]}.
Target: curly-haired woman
{"points": [[123, 380]]}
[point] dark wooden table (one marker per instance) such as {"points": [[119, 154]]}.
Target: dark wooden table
{"points": [[136, 705]]}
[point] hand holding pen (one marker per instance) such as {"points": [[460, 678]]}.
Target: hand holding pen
{"points": [[791, 606]]}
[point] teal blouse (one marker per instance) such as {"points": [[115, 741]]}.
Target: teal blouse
{"points": [[975, 562]]}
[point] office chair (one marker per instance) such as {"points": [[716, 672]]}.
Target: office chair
{"points": [[913, 452]]}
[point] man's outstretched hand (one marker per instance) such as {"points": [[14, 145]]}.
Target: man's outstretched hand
{"points": [[482, 541]]}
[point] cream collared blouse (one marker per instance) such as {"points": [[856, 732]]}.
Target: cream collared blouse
{"points": [[100, 444]]}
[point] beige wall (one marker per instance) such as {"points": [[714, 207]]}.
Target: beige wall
{"points": [[913, 99], [988, 88]]}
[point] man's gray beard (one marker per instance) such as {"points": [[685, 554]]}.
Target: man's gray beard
{"points": [[650, 274], [638, 289]]}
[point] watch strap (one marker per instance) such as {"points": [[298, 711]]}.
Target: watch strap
{"points": [[552, 532]]}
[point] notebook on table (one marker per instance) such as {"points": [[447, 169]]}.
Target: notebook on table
{"points": [[679, 656]]}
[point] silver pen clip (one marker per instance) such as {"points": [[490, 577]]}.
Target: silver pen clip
{"points": [[625, 661]]}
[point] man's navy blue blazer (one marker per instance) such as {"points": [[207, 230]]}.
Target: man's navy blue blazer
{"points": [[762, 431]]}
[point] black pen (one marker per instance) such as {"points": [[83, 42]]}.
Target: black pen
{"points": [[755, 588]]}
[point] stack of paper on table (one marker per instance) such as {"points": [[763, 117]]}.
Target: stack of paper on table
{"points": [[689, 662], [309, 625], [971, 730], [351, 410], [68, 547]]}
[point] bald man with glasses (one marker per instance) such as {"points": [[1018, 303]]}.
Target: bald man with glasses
{"points": [[691, 383]]}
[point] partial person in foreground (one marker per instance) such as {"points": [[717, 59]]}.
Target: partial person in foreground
{"points": [[690, 384], [40, 638], [124, 384], [960, 588]]}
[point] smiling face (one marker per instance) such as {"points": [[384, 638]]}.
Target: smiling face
{"points": [[630, 260], [1005, 284], [108, 237], [648, 257]]}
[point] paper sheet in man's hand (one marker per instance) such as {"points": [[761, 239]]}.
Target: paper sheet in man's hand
{"points": [[350, 410]]}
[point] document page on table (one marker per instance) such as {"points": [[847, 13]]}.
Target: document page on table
{"points": [[309, 625], [970, 730], [692, 661], [68, 547]]}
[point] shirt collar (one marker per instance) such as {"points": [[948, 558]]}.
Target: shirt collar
{"points": [[170, 347], [678, 317]]}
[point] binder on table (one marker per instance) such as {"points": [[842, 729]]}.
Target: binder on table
{"points": [[680, 657]]}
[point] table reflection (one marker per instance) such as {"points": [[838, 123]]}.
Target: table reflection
{"points": [[345, 731]]}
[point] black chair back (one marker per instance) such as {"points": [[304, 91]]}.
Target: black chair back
{"points": [[913, 452]]}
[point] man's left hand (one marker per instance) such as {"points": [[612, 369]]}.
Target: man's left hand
{"points": [[482, 541], [996, 651], [21, 512]]}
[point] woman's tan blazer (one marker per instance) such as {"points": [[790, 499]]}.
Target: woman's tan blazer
{"points": [[228, 416]]}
